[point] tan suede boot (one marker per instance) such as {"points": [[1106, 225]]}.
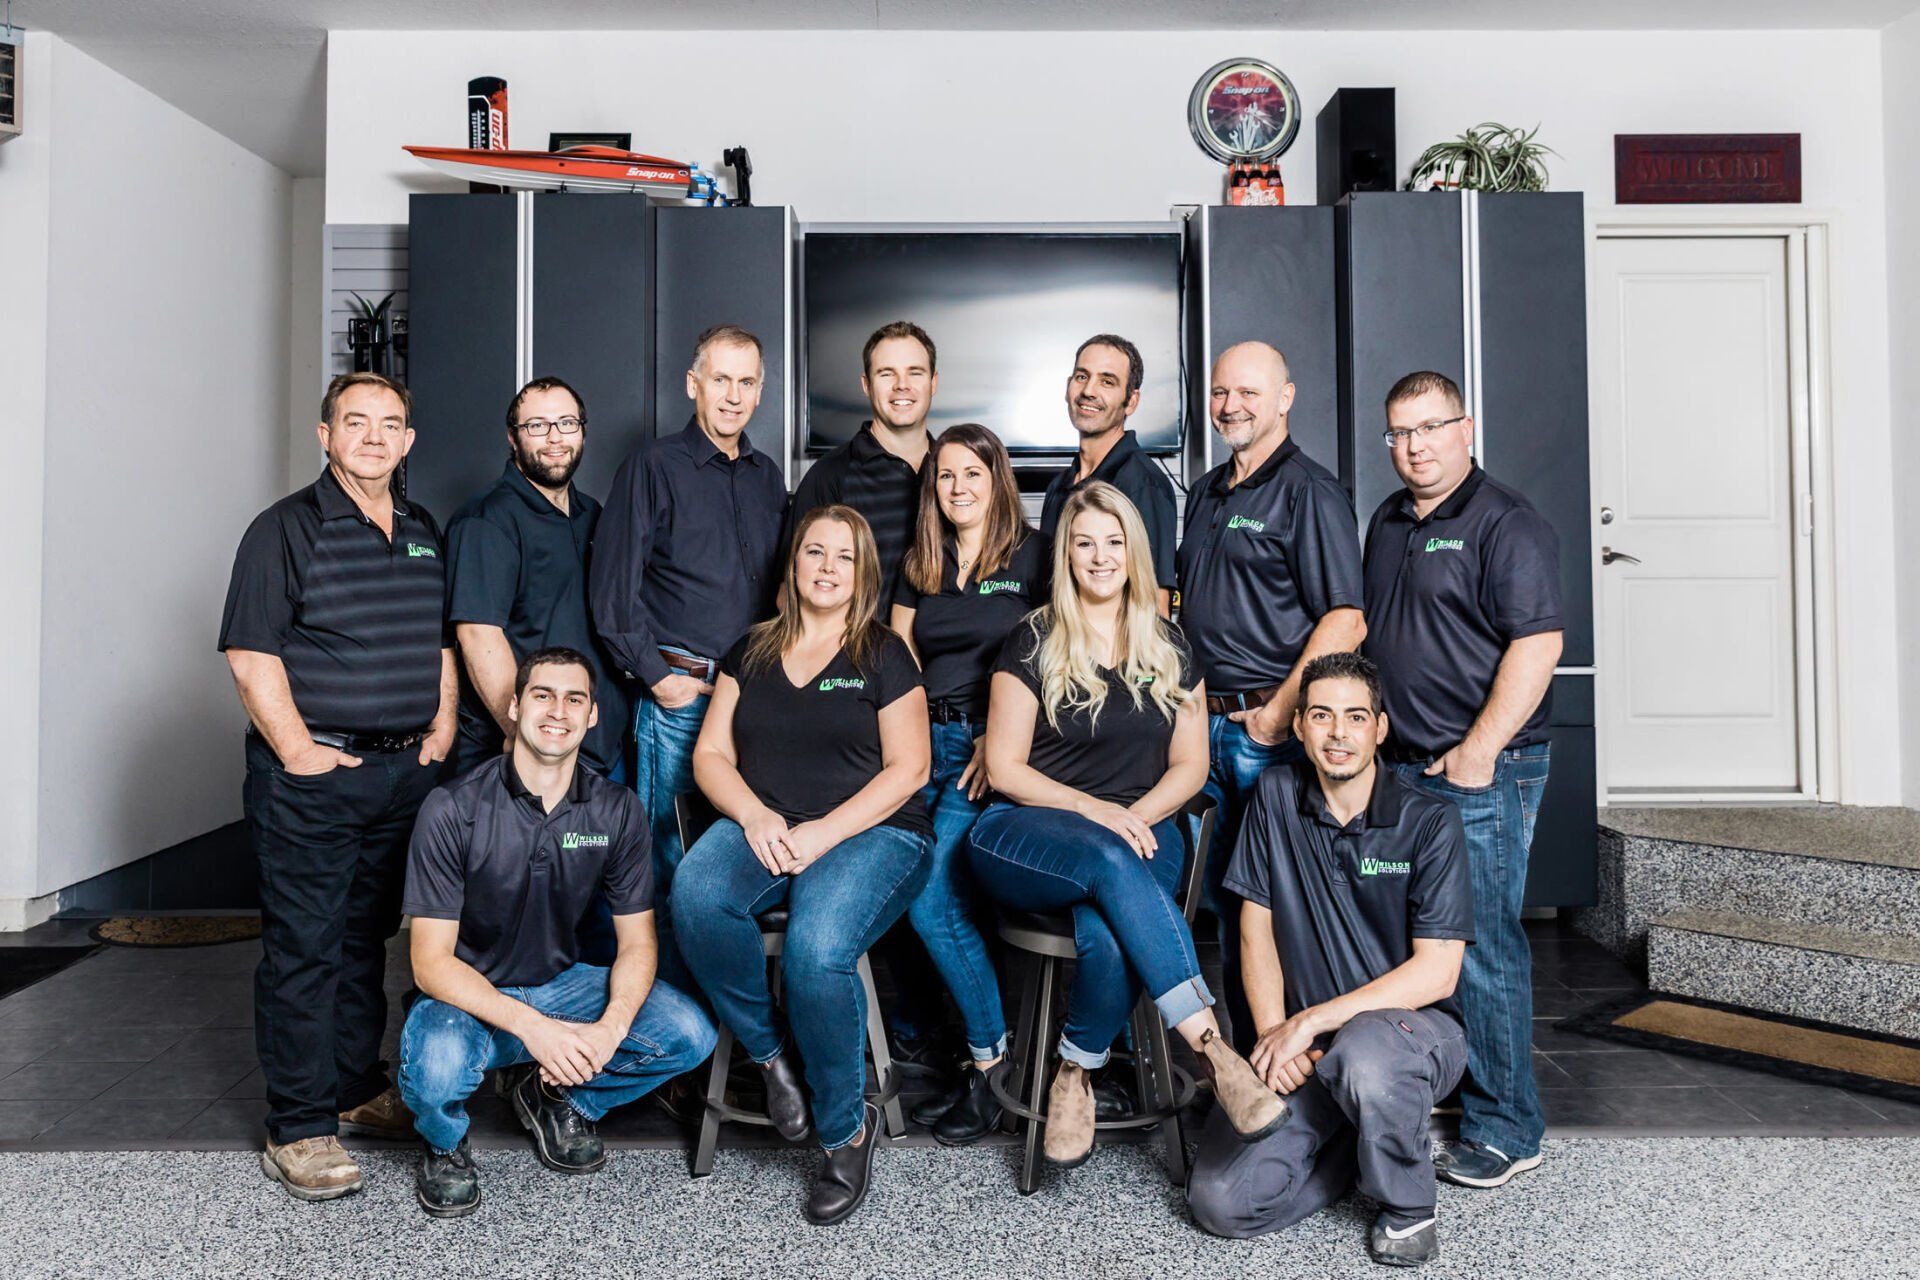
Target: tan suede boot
{"points": [[382, 1117], [312, 1168], [1069, 1139], [1252, 1109]]}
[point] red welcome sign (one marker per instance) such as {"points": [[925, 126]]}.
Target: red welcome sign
{"points": [[1706, 168]]}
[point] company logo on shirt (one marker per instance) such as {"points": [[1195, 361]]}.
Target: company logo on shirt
{"points": [[416, 550], [583, 840], [1376, 867], [1247, 522], [1000, 584], [1446, 544], [840, 682]]}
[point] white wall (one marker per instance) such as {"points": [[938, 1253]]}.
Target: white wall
{"points": [[166, 356], [1900, 62], [972, 126], [306, 331]]}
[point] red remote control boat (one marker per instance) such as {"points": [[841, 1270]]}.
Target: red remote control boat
{"points": [[574, 169]]}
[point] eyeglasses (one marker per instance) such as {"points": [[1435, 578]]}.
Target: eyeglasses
{"points": [[1396, 439], [538, 428]]}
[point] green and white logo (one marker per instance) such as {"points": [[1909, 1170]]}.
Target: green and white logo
{"points": [[1446, 544], [840, 682], [583, 840], [415, 550], [1247, 522], [1376, 867], [1000, 584]]}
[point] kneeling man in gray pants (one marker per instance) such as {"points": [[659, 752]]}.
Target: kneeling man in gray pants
{"points": [[1357, 912]]}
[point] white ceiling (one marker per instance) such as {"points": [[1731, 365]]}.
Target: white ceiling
{"points": [[256, 69]]}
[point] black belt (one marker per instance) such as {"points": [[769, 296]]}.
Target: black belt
{"points": [[1220, 704], [1405, 755], [940, 711], [371, 743]]}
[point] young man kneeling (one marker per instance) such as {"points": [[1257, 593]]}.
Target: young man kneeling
{"points": [[504, 863], [1357, 912]]}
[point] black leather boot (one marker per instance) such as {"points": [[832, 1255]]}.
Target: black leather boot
{"points": [[786, 1098], [448, 1186], [564, 1139], [973, 1117], [845, 1174]]}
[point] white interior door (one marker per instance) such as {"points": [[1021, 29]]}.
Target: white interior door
{"points": [[1705, 616]]}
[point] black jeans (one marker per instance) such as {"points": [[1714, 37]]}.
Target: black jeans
{"points": [[332, 853]]}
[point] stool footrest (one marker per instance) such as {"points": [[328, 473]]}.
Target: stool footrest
{"points": [[1183, 1091]]}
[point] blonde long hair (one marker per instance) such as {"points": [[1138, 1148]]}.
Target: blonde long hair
{"points": [[1146, 656], [769, 641]]}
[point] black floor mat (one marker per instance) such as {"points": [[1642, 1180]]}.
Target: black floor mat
{"points": [[24, 966]]}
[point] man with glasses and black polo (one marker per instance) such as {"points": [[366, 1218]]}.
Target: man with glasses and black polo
{"points": [[517, 577], [686, 559], [1463, 617], [336, 631]]}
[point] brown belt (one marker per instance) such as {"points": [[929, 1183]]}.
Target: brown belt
{"points": [[1220, 704], [700, 668]]}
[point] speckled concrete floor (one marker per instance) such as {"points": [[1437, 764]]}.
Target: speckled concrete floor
{"points": [[1669, 1207], [1888, 836]]}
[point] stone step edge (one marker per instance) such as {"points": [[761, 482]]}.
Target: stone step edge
{"points": [[1786, 933], [1862, 858]]}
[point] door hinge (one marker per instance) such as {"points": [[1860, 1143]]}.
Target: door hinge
{"points": [[1806, 515]]}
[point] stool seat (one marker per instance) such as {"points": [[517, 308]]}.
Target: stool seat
{"points": [[1046, 933], [773, 920]]}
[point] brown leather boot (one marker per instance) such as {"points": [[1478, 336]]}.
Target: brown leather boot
{"points": [[1069, 1139], [382, 1117], [1252, 1109], [312, 1168]]}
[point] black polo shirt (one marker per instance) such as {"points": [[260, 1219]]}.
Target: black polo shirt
{"points": [[1131, 470], [1117, 756], [358, 619], [688, 550], [1348, 901], [959, 631], [806, 750], [519, 879], [517, 562], [1262, 562], [877, 484], [1445, 597]]}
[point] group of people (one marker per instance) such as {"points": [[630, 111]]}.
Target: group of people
{"points": [[906, 706]]}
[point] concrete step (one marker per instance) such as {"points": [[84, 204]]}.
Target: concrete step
{"points": [[1867, 981], [1872, 888]]}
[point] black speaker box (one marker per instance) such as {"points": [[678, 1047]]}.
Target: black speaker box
{"points": [[1354, 143]]}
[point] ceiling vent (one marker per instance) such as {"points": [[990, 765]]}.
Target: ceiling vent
{"points": [[10, 48]]}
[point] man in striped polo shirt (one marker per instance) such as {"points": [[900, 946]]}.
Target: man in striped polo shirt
{"points": [[336, 631]]}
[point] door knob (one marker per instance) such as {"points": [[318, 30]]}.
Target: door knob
{"points": [[1606, 515], [1608, 555]]}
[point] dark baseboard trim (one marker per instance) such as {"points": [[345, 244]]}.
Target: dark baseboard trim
{"points": [[213, 871]]}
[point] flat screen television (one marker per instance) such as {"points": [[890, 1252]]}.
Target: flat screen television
{"points": [[1006, 309]]}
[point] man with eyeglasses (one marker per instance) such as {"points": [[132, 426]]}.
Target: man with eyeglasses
{"points": [[1463, 618], [517, 577], [1269, 579], [686, 560], [336, 632]]}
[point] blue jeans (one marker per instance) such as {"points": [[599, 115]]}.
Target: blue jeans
{"points": [[444, 1051], [836, 909], [1499, 1103], [1236, 762], [663, 741], [1124, 919], [946, 912]]}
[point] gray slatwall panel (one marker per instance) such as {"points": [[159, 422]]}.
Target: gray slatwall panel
{"points": [[365, 258]]}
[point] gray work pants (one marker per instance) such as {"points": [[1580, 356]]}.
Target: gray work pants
{"points": [[1362, 1116]]}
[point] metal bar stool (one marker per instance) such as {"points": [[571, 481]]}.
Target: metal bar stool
{"points": [[1044, 942], [694, 815]]}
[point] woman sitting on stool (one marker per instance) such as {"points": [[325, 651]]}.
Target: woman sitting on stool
{"points": [[1096, 737], [814, 749]]}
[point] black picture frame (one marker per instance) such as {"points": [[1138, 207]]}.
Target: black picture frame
{"points": [[561, 141]]}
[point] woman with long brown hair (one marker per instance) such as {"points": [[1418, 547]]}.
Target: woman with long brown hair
{"points": [[814, 751], [973, 572]]}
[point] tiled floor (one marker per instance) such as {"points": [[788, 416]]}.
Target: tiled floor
{"points": [[154, 1048]]}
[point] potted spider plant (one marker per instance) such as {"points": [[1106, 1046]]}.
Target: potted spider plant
{"points": [[1487, 157]]}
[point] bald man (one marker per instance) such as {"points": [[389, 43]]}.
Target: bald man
{"points": [[1269, 579]]}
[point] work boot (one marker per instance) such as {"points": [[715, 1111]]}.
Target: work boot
{"points": [[382, 1117], [1069, 1138], [786, 1100], [845, 1174], [563, 1138], [1252, 1108], [448, 1185], [1407, 1246], [974, 1116], [312, 1168]]}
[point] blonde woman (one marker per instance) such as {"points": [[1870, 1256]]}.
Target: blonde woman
{"points": [[1096, 737], [814, 750]]}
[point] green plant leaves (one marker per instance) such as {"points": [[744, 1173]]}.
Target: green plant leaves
{"points": [[1487, 157]]}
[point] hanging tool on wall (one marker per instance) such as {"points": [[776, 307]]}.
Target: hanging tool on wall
{"points": [[736, 159]]}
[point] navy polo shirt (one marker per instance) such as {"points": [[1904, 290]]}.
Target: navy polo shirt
{"points": [[357, 618], [1348, 901], [1131, 470], [517, 562], [688, 550], [958, 630], [519, 879], [1263, 561], [879, 485], [1445, 597]]}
